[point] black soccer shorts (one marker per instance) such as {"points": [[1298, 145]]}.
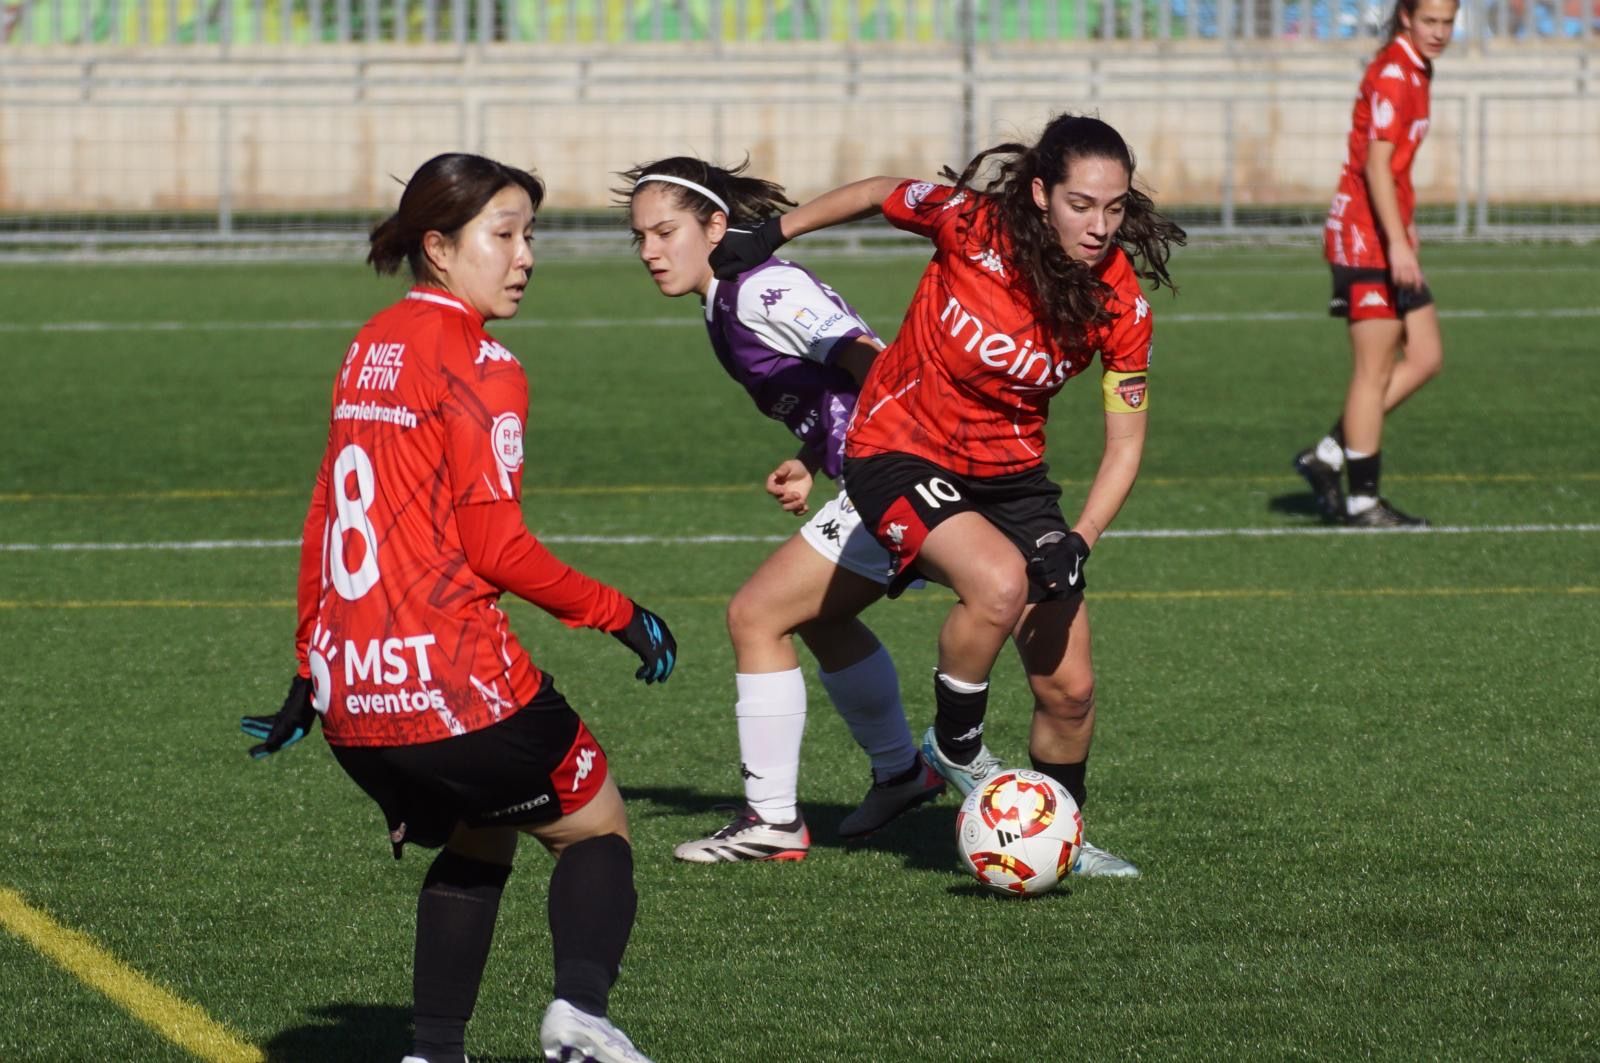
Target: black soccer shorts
{"points": [[902, 498], [1369, 295], [535, 766]]}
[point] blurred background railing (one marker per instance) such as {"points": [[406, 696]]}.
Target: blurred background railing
{"points": [[303, 22]]}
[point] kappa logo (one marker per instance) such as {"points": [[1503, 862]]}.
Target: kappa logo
{"points": [[896, 533], [989, 259], [917, 193], [1382, 112], [772, 297], [830, 531], [954, 201], [1141, 309], [1373, 298], [1392, 71], [490, 351], [585, 765]]}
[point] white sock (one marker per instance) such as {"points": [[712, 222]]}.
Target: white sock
{"points": [[1355, 455], [1356, 504], [1329, 452], [867, 695], [771, 713]]}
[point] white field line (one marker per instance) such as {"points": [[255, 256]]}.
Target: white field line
{"points": [[711, 540], [693, 321]]}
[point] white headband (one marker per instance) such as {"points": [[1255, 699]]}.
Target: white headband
{"points": [[686, 183]]}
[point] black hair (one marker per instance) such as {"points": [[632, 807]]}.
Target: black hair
{"points": [[1068, 295], [444, 194], [749, 199]]}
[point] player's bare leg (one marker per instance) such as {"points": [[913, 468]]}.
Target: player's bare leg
{"points": [[1053, 641], [1374, 346], [988, 574], [1424, 357]]}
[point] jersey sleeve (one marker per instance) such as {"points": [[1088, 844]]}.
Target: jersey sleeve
{"points": [[926, 209], [308, 587], [1125, 356], [483, 409], [500, 548], [1389, 104], [791, 313]]}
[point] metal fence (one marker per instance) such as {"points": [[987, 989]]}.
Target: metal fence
{"points": [[101, 23]]}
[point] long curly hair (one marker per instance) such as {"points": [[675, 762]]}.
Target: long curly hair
{"points": [[749, 199], [1067, 295]]}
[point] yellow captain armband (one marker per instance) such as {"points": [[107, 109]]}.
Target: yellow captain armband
{"points": [[1125, 392]]}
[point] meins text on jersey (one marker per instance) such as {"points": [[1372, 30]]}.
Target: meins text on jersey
{"points": [[1032, 366]]}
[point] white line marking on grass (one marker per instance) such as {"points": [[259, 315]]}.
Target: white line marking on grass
{"points": [[716, 539], [174, 1018], [1197, 318]]}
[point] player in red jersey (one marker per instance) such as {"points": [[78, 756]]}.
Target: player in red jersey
{"points": [[1033, 275], [1370, 241], [426, 697]]}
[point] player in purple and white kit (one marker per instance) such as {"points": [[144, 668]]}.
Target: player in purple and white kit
{"points": [[801, 352]]}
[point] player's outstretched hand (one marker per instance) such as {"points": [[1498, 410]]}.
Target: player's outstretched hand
{"points": [[648, 635], [290, 724], [1057, 563], [745, 249]]}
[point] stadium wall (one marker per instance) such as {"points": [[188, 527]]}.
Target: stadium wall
{"points": [[326, 129]]}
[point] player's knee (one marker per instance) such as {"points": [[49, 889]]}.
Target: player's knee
{"points": [[1067, 700], [749, 618], [1001, 595]]}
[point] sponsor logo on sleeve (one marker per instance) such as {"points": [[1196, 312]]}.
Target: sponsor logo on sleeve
{"points": [[1382, 112], [506, 435], [917, 193]]}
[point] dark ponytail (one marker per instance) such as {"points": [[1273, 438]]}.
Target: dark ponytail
{"points": [[749, 199], [444, 194], [1067, 294]]}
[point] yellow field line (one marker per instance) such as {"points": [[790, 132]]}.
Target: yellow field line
{"points": [[1287, 480], [179, 1021], [934, 594]]}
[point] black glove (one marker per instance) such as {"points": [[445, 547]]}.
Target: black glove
{"points": [[648, 636], [292, 722], [744, 249], [1057, 563]]}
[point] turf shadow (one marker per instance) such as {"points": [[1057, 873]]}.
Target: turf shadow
{"points": [[1299, 504], [345, 1031], [923, 838]]}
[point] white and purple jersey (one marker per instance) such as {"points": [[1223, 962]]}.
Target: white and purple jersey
{"points": [[776, 329]]}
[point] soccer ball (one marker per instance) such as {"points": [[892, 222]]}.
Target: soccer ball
{"points": [[1019, 832]]}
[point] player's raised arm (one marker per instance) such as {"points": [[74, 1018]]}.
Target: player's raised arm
{"points": [[743, 249]]}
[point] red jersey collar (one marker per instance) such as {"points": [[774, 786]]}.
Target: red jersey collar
{"points": [[1411, 53], [439, 297]]}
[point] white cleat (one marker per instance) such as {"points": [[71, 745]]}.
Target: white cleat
{"points": [[568, 1035], [749, 837], [1095, 862], [964, 777]]}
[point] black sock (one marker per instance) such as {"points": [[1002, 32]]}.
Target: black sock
{"points": [[958, 720], [1336, 433], [592, 905], [1364, 474], [1070, 776], [455, 923]]}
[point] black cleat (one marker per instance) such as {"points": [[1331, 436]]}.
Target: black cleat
{"points": [[1326, 483], [1383, 515]]}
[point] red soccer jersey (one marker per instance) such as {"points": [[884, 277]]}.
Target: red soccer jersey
{"points": [[403, 640], [967, 382], [1392, 106]]}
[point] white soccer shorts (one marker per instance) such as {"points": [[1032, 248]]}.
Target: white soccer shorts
{"points": [[836, 532]]}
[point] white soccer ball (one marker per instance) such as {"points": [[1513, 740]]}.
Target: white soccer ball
{"points": [[1019, 832]]}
